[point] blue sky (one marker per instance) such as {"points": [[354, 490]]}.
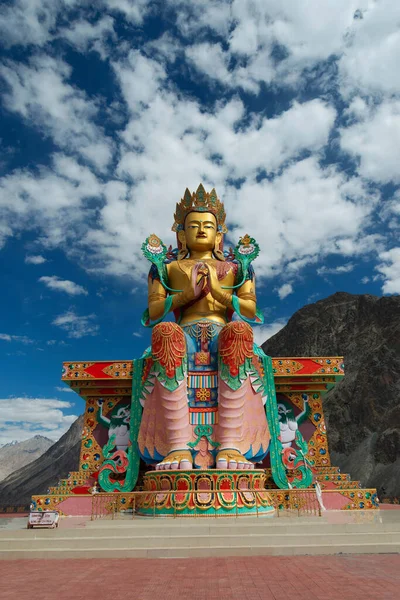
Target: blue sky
{"points": [[290, 110]]}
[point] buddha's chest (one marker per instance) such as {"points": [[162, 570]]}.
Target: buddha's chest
{"points": [[180, 271]]}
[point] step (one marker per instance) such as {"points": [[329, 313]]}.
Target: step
{"points": [[333, 477], [203, 551], [189, 528], [189, 541], [144, 530], [370, 532]]}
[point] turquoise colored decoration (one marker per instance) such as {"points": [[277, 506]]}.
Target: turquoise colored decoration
{"points": [[156, 252], [203, 431], [258, 319], [146, 315], [245, 252], [170, 383], [235, 381]]}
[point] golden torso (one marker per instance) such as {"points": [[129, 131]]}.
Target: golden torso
{"points": [[199, 241], [204, 308]]}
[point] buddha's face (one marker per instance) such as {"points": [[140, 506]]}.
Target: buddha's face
{"points": [[201, 231]]}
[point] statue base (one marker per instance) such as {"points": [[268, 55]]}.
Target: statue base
{"points": [[211, 492]]}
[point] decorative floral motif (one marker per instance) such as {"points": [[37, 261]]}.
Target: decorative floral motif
{"points": [[202, 358], [205, 491], [245, 245], [168, 349], [235, 346], [154, 244], [203, 395]]}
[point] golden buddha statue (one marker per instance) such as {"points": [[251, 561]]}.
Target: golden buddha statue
{"points": [[203, 390]]}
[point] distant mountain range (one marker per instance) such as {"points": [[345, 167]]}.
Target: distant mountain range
{"points": [[363, 410], [15, 455], [35, 477]]}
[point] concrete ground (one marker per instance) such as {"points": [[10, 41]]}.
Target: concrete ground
{"points": [[339, 577], [347, 577]]}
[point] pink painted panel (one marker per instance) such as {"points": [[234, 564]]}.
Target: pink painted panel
{"points": [[334, 501], [76, 506]]}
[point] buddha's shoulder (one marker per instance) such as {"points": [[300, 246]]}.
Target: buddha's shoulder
{"points": [[176, 266]]}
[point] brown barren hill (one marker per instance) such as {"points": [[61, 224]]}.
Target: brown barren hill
{"points": [[363, 410]]}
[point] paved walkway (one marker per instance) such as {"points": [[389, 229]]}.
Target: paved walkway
{"points": [[347, 577]]}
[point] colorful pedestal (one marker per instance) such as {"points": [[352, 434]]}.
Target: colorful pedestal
{"points": [[205, 493], [297, 380]]}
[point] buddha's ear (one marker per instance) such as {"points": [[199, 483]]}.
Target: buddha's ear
{"points": [[217, 252], [183, 251]]}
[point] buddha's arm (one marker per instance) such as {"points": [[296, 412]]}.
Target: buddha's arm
{"points": [[157, 294], [247, 299], [246, 295], [156, 298]]}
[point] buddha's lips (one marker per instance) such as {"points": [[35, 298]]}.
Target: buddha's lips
{"points": [[201, 235]]}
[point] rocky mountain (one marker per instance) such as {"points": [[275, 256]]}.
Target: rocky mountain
{"points": [[363, 410], [15, 455], [34, 478]]}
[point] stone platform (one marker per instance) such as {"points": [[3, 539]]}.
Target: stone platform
{"points": [[370, 532]]}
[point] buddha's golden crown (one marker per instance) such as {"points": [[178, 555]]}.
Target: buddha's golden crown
{"points": [[200, 201]]}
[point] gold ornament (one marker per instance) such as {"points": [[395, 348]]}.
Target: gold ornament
{"points": [[200, 201], [245, 240]]}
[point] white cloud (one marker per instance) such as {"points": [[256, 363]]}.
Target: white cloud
{"points": [[76, 326], [369, 63], [30, 21], [288, 214], [165, 48], [299, 209], [52, 201], [196, 15], [25, 22], [35, 259], [83, 35], [175, 140], [56, 342], [64, 389], [22, 339], [374, 139], [40, 93], [22, 418], [390, 269], [285, 290], [63, 285], [254, 29], [347, 268], [365, 280], [212, 61], [133, 10], [262, 333]]}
